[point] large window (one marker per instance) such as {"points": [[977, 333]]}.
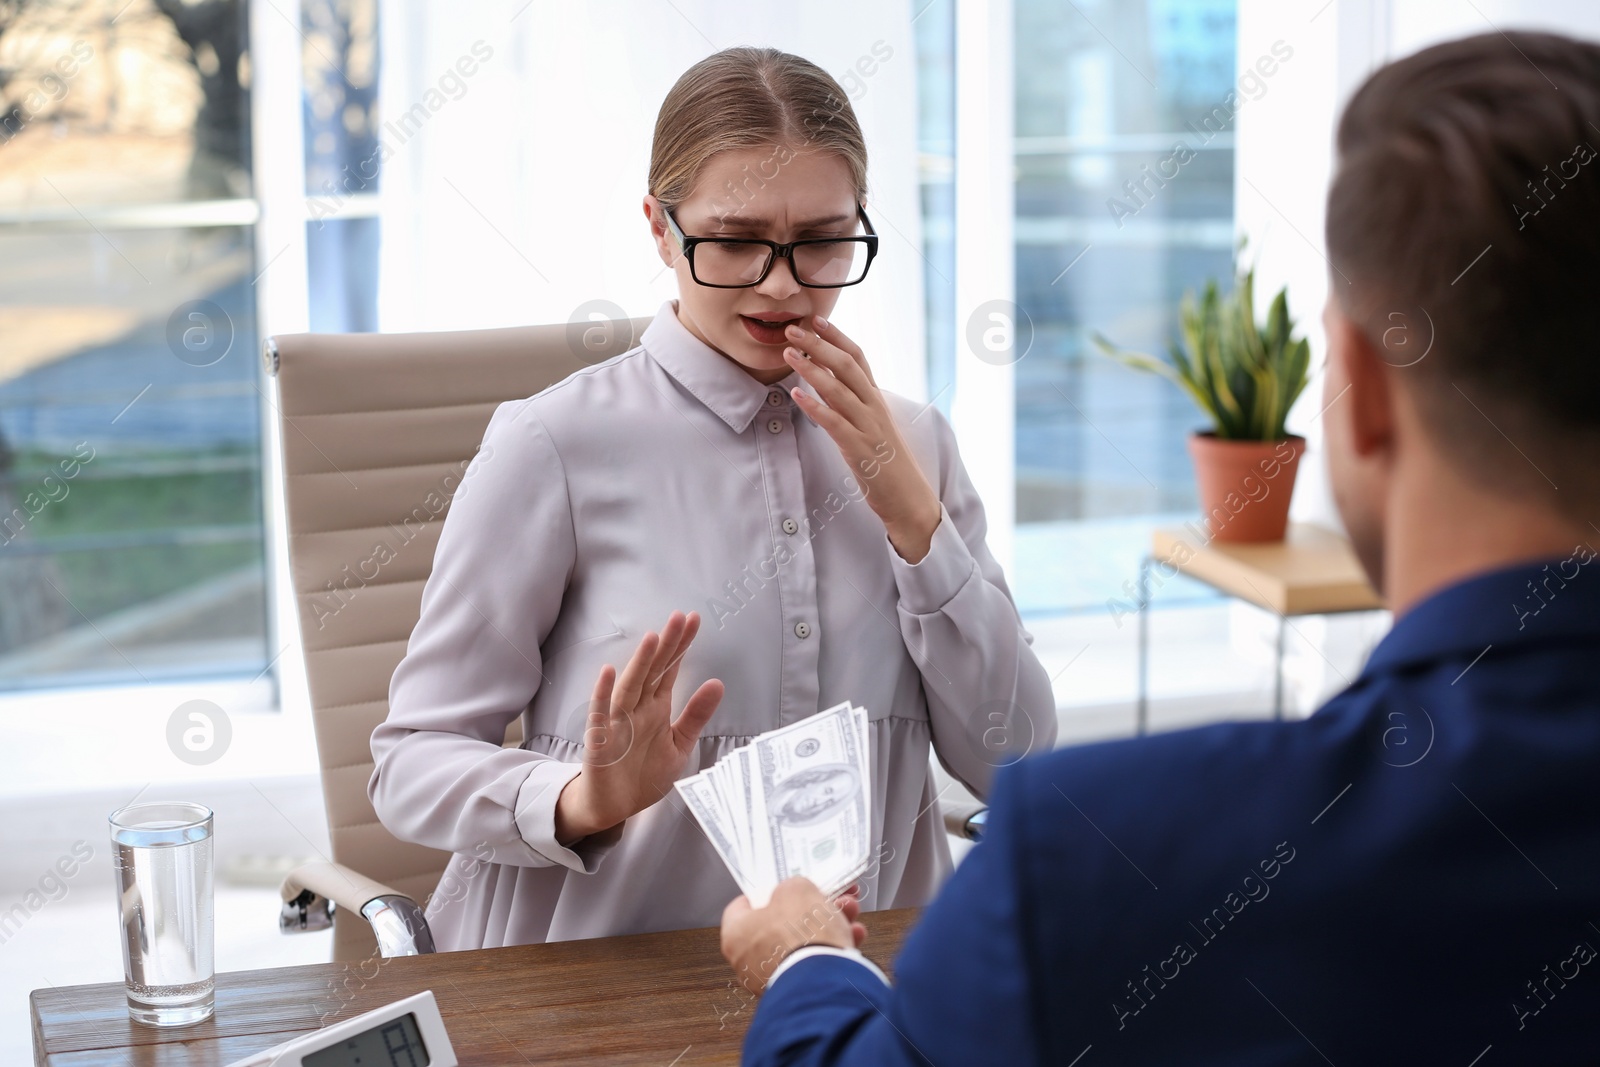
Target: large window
{"points": [[132, 536], [343, 163], [130, 456], [1123, 163], [1124, 199]]}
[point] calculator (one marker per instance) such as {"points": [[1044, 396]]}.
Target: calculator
{"points": [[407, 1033]]}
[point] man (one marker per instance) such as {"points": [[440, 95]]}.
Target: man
{"points": [[1413, 873]]}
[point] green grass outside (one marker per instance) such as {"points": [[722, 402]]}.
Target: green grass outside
{"points": [[99, 501]]}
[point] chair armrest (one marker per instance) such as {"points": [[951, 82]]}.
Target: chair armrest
{"points": [[965, 818], [313, 890]]}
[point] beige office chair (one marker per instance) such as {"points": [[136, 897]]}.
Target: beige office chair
{"points": [[376, 431]]}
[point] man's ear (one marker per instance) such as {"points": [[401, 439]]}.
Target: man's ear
{"points": [[1370, 390]]}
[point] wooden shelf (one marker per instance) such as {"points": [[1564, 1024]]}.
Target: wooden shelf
{"points": [[1312, 571]]}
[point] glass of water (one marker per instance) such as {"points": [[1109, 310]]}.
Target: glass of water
{"points": [[163, 860]]}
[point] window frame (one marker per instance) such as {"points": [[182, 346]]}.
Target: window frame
{"points": [[270, 714]]}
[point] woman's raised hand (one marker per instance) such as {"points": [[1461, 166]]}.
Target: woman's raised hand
{"points": [[633, 749], [858, 420]]}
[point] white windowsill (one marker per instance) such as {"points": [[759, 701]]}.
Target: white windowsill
{"points": [[79, 740]]}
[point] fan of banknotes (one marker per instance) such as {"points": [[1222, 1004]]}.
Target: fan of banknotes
{"points": [[795, 800]]}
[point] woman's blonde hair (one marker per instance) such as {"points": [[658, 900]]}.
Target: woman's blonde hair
{"points": [[751, 98]]}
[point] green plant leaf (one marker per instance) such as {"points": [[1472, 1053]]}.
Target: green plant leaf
{"points": [[1177, 370], [1220, 358], [1244, 376]]}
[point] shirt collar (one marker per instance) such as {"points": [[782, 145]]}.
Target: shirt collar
{"points": [[716, 380], [1545, 601]]}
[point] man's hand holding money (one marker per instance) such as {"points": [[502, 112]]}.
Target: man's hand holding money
{"points": [[756, 940]]}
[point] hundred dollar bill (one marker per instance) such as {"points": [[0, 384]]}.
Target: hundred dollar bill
{"points": [[734, 797], [811, 802], [700, 796]]}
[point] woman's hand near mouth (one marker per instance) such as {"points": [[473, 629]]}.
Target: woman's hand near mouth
{"points": [[855, 415]]}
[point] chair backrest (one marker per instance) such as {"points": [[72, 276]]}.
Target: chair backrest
{"points": [[377, 430]]}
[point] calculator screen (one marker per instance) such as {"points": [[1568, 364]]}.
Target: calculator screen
{"points": [[396, 1043]]}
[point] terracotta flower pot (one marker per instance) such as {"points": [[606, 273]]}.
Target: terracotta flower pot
{"points": [[1245, 485]]}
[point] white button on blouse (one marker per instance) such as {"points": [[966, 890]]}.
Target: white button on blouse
{"points": [[592, 511]]}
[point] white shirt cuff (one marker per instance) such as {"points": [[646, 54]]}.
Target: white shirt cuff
{"points": [[825, 950], [927, 585], [536, 817]]}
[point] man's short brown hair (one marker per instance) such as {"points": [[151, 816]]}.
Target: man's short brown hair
{"points": [[1465, 214]]}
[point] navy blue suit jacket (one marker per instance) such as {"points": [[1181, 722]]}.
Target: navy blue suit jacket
{"points": [[1411, 875]]}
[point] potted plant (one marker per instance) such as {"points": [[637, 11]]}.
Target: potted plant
{"points": [[1245, 377]]}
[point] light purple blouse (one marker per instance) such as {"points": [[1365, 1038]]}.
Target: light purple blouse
{"points": [[668, 478]]}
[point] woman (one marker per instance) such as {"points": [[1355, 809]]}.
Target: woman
{"points": [[740, 462]]}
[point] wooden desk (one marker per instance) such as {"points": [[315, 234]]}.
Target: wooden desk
{"points": [[655, 999], [1312, 571]]}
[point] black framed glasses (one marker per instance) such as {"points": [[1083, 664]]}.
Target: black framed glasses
{"points": [[817, 262]]}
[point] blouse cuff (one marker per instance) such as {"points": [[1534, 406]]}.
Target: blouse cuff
{"points": [[929, 584], [536, 818], [825, 950]]}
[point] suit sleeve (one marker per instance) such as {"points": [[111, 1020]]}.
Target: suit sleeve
{"points": [[965, 985], [989, 698], [506, 551]]}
